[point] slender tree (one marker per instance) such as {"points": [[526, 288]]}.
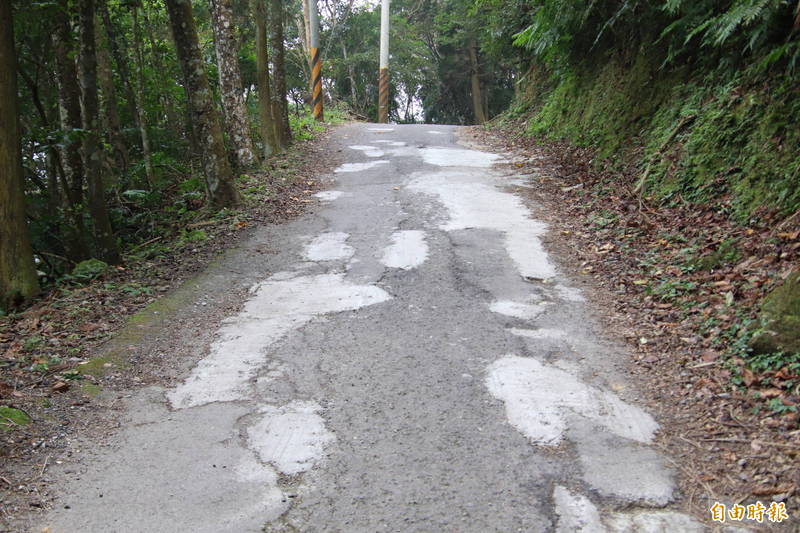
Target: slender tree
{"points": [[147, 152], [478, 99], [113, 38], [279, 93], [69, 102], [165, 83], [18, 280], [265, 109], [237, 124], [105, 244], [108, 92], [218, 174]]}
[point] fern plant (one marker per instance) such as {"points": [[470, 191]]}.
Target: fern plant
{"points": [[742, 26]]}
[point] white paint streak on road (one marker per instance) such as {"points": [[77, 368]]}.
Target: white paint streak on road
{"points": [[329, 247], [539, 399], [408, 250], [328, 196], [358, 167], [457, 157], [276, 308], [381, 130], [369, 151], [516, 309], [292, 438], [473, 204], [434, 132]]}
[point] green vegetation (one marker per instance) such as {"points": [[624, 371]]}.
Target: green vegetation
{"points": [[779, 328], [88, 270], [700, 97], [11, 418], [132, 135]]}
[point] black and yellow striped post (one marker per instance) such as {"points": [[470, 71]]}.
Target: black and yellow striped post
{"points": [[316, 84], [316, 61], [383, 96], [383, 76]]}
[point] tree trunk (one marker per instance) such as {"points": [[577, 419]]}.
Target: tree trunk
{"points": [[219, 177], [304, 29], [352, 76], [119, 59], [265, 113], [237, 123], [280, 103], [147, 154], [105, 244], [69, 102], [165, 92], [112, 124], [478, 101], [18, 281]]}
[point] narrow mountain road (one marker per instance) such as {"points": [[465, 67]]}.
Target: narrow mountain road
{"points": [[409, 360]]}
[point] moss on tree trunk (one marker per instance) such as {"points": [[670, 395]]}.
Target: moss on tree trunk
{"points": [[218, 174], [18, 280], [237, 124], [104, 241]]}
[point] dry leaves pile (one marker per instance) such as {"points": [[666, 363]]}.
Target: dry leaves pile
{"points": [[680, 284]]}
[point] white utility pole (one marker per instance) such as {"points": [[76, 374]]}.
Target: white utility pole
{"points": [[383, 77]]}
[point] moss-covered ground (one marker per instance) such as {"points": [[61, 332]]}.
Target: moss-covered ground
{"points": [[689, 137]]}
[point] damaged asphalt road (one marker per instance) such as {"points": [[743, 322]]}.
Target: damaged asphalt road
{"points": [[411, 360]]}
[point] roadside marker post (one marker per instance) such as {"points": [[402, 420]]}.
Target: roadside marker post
{"points": [[316, 62], [383, 77]]}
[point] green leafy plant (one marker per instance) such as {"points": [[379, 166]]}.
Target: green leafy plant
{"points": [[89, 270]]}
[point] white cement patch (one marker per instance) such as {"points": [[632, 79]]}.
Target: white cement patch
{"points": [[543, 333], [473, 204], [369, 151], [329, 247], [458, 157], [516, 309], [292, 438], [408, 250], [576, 513], [389, 143], [539, 398], [646, 479], [328, 196], [358, 167], [570, 294], [653, 522], [276, 308]]}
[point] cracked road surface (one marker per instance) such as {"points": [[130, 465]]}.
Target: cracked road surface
{"points": [[410, 360]]}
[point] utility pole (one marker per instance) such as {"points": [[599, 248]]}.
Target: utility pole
{"points": [[383, 78], [316, 61]]}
